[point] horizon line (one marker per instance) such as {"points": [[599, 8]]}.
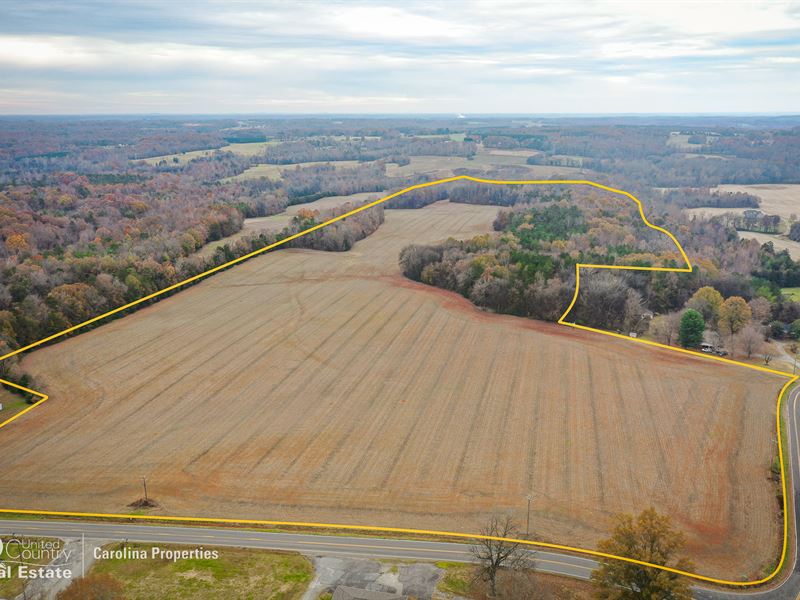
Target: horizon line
{"points": [[451, 114]]}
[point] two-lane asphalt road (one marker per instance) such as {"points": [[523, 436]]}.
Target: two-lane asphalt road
{"points": [[313, 545], [369, 547]]}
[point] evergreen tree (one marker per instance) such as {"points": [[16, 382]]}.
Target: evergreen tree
{"points": [[692, 327]]}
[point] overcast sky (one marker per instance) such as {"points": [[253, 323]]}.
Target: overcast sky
{"points": [[395, 57]]}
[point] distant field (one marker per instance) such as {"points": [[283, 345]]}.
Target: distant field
{"points": [[335, 201], [681, 140], [271, 223], [276, 171], [183, 157], [776, 199], [483, 160], [710, 212], [246, 149], [696, 155], [249, 148], [279, 222], [780, 242], [523, 153], [456, 137], [427, 164], [315, 386]]}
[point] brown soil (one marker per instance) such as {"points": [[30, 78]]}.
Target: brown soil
{"points": [[312, 386]]}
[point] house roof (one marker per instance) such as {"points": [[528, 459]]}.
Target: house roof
{"points": [[344, 592]]}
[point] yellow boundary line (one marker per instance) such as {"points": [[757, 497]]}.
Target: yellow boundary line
{"points": [[561, 321]]}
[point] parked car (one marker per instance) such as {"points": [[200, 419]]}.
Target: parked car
{"points": [[712, 349]]}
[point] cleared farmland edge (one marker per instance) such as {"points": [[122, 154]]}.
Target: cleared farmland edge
{"points": [[562, 321]]}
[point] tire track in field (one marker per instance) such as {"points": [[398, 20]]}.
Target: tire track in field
{"points": [[568, 441], [388, 412], [700, 444], [138, 349], [146, 361], [393, 237], [533, 456], [433, 443], [479, 411], [663, 477], [187, 301], [429, 389], [635, 487], [385, 356], [160, 375], [514, 392], [333, 410], [598, 454], [215, 350], [735, 497], [64, 431], [172, 413], [478, 407], [258, 358], [189, 341], [285, 408], [709, 447]]}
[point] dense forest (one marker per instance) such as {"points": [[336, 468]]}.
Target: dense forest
{"points": [[528, 268]]}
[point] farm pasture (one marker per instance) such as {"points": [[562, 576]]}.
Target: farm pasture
{"points": [[780, 242], [445, 165], [781, 199], [276, 171]]}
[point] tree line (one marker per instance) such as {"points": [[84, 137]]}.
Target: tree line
{"points": [[527, 269], [505, 567]]}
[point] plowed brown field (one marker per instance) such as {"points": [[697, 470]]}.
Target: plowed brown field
{"points": [[318, 386]]}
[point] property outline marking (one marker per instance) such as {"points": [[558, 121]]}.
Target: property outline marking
{"points": [[561, 321]]}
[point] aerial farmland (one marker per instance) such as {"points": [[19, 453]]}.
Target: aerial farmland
{"points": [[326, 387]]}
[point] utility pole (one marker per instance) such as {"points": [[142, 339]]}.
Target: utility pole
{"points": [[528, 520], [144, 485], [794, 349]]}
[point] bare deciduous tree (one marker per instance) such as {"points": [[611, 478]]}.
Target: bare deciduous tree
{"points": [[634, 309], [603, 296], [761, 309], [665, 327], [495, 552], [750, 340]]}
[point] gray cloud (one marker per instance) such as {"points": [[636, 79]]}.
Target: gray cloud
{"points": [[86, 57]]}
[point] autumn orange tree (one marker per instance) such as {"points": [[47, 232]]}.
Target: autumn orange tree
{"points": [[734, 315], [649, 538], [707, 301]]}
